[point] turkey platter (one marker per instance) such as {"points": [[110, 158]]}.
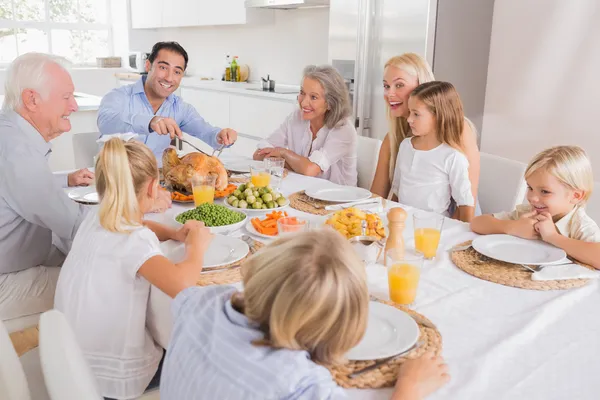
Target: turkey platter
{"points": [[178, 172]]}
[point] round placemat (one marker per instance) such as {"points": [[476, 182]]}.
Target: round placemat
{"points": [[230, 273], [385, 375], [488, 269]]}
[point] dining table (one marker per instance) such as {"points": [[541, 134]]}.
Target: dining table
{"points": [[499, 342]]}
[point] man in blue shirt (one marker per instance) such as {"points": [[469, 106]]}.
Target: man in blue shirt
{"points": [[149, 107]]}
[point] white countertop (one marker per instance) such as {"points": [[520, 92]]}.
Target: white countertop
{"points": [[85, 102], [240, 88]]}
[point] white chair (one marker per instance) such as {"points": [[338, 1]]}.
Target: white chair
{"points": [[13, 384], [85, 149], [20, 323], [67, 375], [593, 205], [367, 155], [501, 184]]}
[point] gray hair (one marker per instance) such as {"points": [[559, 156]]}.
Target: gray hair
{"points": [[336, 93], [29, 71]]}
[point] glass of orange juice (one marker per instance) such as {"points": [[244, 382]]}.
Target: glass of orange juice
{"points": [[404, 271], [428, 230], [260, 176], [203, 187]]}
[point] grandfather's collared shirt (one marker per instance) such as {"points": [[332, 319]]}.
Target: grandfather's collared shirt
{"points": [[32, 203], [127, 109]]}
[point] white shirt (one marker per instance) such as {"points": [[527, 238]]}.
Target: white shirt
{"points": [[105, 303], [333, 150], [575, 225], [430, 179]]}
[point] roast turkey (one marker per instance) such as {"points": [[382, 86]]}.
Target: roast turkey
{"points": [[178, 172]]}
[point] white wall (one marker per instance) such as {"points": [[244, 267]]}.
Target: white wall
{"points": [[281, 49], [543, 84]]}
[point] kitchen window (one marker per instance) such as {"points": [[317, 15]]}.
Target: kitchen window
{"points": [[76, 29]]}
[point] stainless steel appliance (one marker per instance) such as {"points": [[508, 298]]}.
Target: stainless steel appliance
{"points": [[136, 61], [453, 35]]}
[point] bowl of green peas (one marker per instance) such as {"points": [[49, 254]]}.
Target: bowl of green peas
{"points": [[217, 217]]}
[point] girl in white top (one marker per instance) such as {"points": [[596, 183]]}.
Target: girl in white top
{"points": [[559, 183], [104, 284], [318, 139], [431, 168]]}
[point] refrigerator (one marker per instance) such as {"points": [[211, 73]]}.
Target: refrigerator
{"points": [[452, 35]]}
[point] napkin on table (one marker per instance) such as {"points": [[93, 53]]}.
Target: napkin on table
{"points": [[564, 271]]}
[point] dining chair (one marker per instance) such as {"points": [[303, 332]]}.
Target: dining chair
{"points": [[593, 205], [367, 155], [501, 184], [13, 383], [66, 372], [85, 149]]}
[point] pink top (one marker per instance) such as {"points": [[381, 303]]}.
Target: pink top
{"points": [[333, 150]]}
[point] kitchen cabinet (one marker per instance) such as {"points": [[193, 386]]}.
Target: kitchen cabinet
{"points": [[257, 116], [180, 13], [212, 106]]}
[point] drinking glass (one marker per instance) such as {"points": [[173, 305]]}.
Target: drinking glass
{"points": [[404, 271], [276, 166], [203, 188], [428, 230], [260, 176]]}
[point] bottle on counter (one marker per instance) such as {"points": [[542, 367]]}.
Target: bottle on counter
{"points": [[227, 73], [234, 70]]}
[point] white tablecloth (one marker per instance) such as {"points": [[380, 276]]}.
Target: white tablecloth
{"points": [[500, 342]]}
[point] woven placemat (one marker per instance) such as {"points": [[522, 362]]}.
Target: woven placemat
{"points": [[226, 275], [387, 374], [245, 179], [505, 273], [25, 340], [301, 202]]}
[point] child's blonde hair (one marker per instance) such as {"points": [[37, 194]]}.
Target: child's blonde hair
{"points": [[307, 292], [443, 101], [414, 65], [122, 169], [569, 164]]}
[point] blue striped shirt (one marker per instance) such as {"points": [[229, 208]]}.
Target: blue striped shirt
{"points": [[211, 356]]}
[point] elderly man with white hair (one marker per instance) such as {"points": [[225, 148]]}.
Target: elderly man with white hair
{"points": [[34, 208]]}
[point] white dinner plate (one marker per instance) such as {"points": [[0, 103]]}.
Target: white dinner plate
{"points": [[258, 210], [218, 253], [84, 194], [340, 194], [241, 166], [389, 332], [250, 228], [221, 229], [515, 250]]}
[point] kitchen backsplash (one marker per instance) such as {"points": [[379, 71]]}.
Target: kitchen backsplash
{"points": [[281, 49]]}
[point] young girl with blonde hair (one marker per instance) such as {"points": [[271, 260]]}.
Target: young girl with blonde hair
{"points": [[401, 75], [559, 183], [304, 305], [104, 284], [431, 168]]}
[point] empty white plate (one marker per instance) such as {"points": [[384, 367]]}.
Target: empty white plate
{"points": [[340, 194], [389, 332], [515, 250], [241, 166], [218, 254], [84, 194]]}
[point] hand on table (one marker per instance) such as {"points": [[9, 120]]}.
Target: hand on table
{"points": [[82, 177], [165, 126], [524, 227], [420, 377], [271, 152]]}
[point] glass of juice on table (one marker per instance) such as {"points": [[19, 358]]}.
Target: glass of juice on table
{"points": [[260, 176], [203, 188], [428, 230], [404, 271], [276, 167]]}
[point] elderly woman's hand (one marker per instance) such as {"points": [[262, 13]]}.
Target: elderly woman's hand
{"points": [[272, 152]]}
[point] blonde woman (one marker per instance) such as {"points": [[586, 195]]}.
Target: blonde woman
{"points": [[318, 139], [402, 74], [304, 305], [559, 183], [104, 284]]}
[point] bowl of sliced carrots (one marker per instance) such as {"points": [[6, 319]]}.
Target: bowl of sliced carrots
{"points": [[273, 223]]}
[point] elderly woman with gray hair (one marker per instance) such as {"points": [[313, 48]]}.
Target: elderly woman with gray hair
{"points": [[318, 139]]}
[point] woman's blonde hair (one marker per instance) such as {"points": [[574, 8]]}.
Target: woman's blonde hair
{"points": [[414, 65], [307, 292], [443, 101], [122, 169], [569, 164], [336, 93]]}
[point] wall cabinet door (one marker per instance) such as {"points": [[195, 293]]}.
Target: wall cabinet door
{"points": [[146, 13], [257, 116], [212, 106]]}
